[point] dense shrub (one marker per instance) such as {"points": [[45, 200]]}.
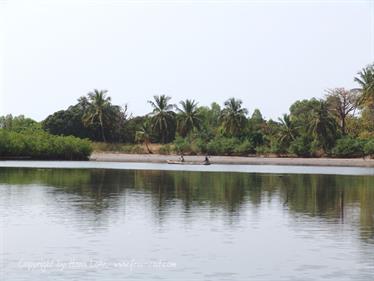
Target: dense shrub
{"points": [[245, 148], [182, 145], [262, 150], [222, 146], [41, 145], [216, 146], [18, 123], [300, 147], [369, 148], [70, 122], [201, 146], [273, 149], [348, 147], [166, 149]]}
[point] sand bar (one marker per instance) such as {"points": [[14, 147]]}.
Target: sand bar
{"points": [[238, 160]]}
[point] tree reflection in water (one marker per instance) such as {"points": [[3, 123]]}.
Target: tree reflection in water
{"points": [[331, 198]]}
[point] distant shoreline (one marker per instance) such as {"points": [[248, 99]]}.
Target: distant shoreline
{"points": [[236, 160]]}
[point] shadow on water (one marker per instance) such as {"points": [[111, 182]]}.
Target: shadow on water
{"points": [[331, 198]]}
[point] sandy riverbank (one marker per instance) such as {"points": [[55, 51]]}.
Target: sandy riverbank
{"points": [[156, 158]]}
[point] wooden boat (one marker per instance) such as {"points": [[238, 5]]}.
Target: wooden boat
{"points": [[187, 163]]}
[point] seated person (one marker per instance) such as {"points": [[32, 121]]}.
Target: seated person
{"points": [[181, 158]]}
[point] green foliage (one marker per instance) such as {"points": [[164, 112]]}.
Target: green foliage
{"points": [[233, 117], [188, 117], [163, 118], [256, 122], [41, 145], [300, 147], [367, 120], [182, 145], [245, 148], [300, 114], [97, 110], [228, 146], [18, 123], [348, 147], [262, 150], [365, 79], [166, 149], [311, 128], [68, 122], [210, 121], [131, 128], [286, 131], [93, 117], [323, 126], [201, 146], [369, 148], [277, 148], [143, 134]]}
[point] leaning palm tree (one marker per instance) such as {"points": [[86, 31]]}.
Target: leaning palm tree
{"points": [[366, 81], [233, 117], [144, 135], [98, 104], [188, 117], [287, 130], [162, 115]]}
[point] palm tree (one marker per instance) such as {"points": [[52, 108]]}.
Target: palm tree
{"points": [[162, 115], [322, 126], [98, 104], [366, 81], [287, 130], [188, 117], [233, 116], [144, 135]]}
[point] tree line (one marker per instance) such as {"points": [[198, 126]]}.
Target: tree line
{"points": [[341, 124]]}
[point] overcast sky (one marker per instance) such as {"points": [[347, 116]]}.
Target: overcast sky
{"points": [[267, 54]]}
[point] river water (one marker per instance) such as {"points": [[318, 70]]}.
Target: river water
{"points": [[84, 221]]}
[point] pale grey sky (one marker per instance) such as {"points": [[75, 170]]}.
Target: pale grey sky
{"points": [[267, 53]]}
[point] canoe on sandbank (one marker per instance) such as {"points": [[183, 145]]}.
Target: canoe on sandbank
{"points": [[186, 163]]}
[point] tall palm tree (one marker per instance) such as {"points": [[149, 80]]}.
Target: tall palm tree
{"points": [[287, 130], [162, 115], [322, 126], [366, 81], [144, 135], [98, 105], [188, 117], [233, 116]]}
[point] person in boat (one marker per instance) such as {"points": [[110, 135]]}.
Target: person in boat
{"points": [[181, 158], [206, 161]]}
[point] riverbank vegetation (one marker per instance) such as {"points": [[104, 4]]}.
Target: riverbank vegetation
{"points": [[341, 124], [23, 138]]}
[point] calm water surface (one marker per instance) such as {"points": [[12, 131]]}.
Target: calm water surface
{"points": [[113, 224]]}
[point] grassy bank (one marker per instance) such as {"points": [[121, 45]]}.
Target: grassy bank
{"points": [[345, 148]]}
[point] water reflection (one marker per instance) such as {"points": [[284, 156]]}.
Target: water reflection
{"points": [[331, 198]]}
